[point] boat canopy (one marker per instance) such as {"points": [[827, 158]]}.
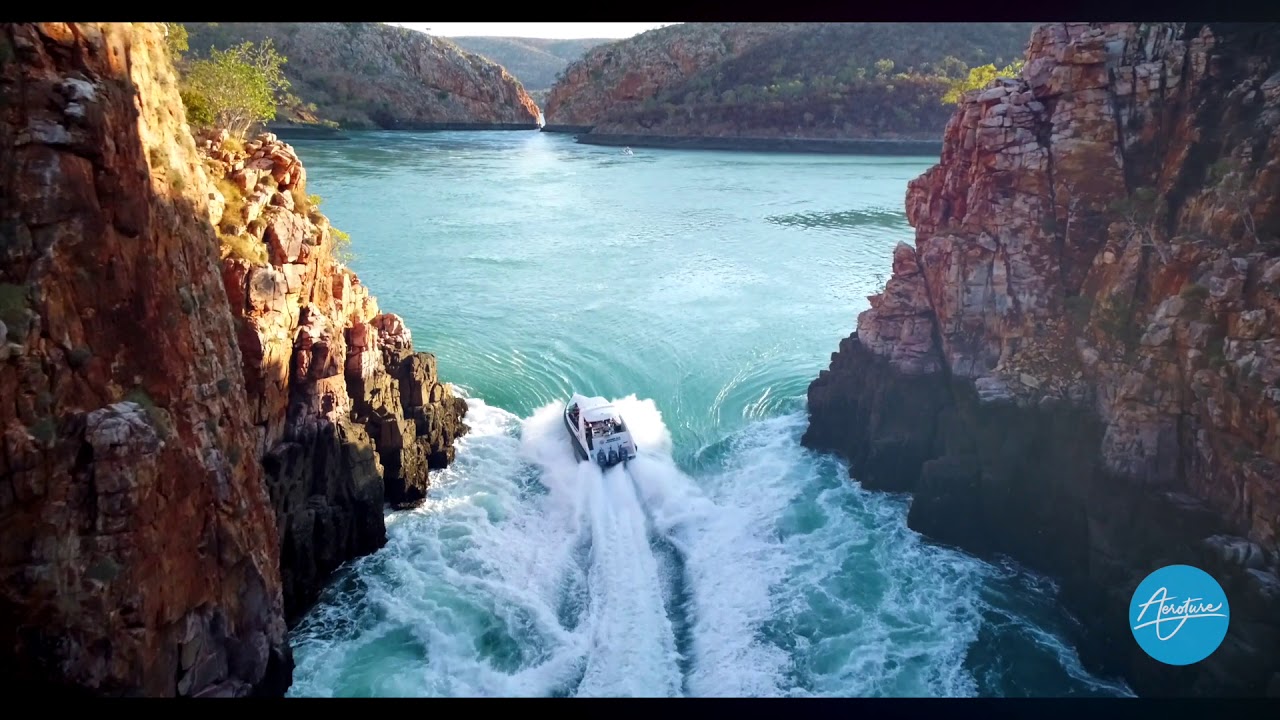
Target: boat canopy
{"points": [[594, 409]]}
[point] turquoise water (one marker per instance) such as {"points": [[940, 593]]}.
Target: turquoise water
{"points": [[702, 291]]}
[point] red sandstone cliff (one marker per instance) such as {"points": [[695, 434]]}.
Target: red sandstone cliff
{"points": [[1079, 360], [346, 415], [622, 75], [203, 411], [374, 75], [140, 550], [755, 81]]}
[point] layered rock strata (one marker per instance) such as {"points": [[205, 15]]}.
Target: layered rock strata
{"points": [[1078, 363], [140, 551], [347, 415], [203, 412]]}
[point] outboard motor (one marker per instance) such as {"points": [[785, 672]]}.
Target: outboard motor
{"points": [[613, 457], [602, 458]]}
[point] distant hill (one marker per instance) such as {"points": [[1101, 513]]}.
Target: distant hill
{"points": [[815, 80], [373, 75], [535, 62]]}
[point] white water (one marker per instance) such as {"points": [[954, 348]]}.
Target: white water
{"points": [[528, 573]]}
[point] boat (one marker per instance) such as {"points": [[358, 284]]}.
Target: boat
{"points": [[627, 151], [598, 432]]}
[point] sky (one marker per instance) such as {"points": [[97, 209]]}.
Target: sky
{"points": [[561, 30]]}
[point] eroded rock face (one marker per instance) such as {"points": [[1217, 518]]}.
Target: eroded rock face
{"points": [[348, 417], [622, 75], [375, 75], [139, 554], [1096, 255]]}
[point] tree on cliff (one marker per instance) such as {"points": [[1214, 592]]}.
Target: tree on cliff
{"points": [[234, 89]]}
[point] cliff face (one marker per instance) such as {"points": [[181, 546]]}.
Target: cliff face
{"points": [[780, 80], [203, 411], [140, 548], [373, 75], [622, 75], [346, 416], [1079, 361]]}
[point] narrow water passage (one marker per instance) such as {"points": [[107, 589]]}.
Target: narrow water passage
{"points": [[702, 291]]}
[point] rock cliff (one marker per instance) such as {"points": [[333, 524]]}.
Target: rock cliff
{"points": [[374, 75], [833, 81], [140, 549], [346, 415], [621, 75], [203, 412], [1078, 363]]}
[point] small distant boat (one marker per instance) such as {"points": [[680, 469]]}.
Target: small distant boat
{"points": [[598, 432], [627, 151]]}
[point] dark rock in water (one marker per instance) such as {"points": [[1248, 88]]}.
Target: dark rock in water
{"points": [[885, 423], [327, 488], [1096, 401], [415, 420]]}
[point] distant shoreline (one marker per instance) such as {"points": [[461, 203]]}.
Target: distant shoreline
{"points": [[824, 146], [320, 132], [567, 128], [843, 146]]}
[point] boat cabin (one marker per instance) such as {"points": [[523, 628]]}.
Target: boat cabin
{"points": [[595, 417]]}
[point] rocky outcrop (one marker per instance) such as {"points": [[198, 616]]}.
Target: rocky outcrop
{"points": [[140, 551], [347, 416], [1078, 363], [374, 75]]}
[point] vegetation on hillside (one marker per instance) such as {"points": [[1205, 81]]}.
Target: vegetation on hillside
{"points": [[364, 75], [821, 80], [235, 90], [534, 61]]}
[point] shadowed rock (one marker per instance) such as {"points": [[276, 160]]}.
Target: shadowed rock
{"points": [[140, 553], [1096, 391]]}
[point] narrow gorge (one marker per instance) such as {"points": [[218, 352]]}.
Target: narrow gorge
{"points": [[204, 411], [1078, 363]]}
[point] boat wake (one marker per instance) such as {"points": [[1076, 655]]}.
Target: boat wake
{"points": [[637, 514], [529, 573]]}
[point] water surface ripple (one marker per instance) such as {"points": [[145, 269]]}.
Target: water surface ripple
{"points": [[702, 291]]}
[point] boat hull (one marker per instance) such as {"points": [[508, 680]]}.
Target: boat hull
{"points": [[578, 450]]}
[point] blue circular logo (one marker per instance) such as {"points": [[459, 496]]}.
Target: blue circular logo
{"points": [[1179, 615]]}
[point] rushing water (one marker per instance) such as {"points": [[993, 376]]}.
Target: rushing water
{"points": [[702, 291]]}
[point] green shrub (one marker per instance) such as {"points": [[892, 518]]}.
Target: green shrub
{"points": [[978, 78], [234, 89]]}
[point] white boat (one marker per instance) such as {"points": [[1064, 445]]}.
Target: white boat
{"points": [[627, 151], [597, 431]]}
